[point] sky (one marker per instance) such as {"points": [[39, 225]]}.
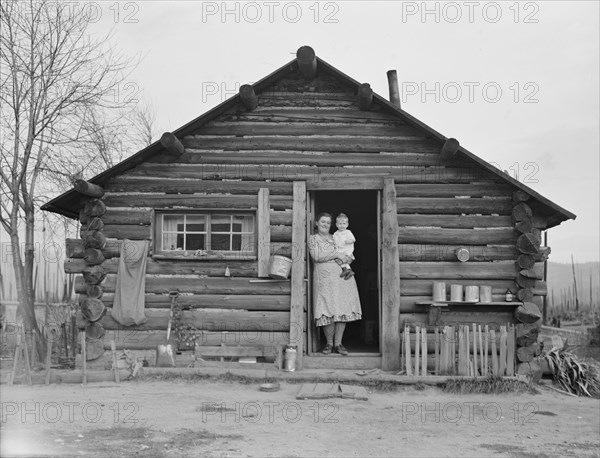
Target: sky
{"points": [[517, 83]]}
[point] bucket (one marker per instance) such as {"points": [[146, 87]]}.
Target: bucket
{"points": [[280, 267]]}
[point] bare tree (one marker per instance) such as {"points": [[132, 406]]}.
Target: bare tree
{"points": [[52, 76]]}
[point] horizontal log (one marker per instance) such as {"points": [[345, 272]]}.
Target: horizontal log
{"points": [[197, 284], [128, 183], [133, 340], [307, 62], [128, 231], [175, 267], [267, 101], [213, 301], [528, 313], [88, 189], [455, 221], [281, 233], [141, 216], [401, 174], [93, 208], [522, 212], [210, 320], [172, 144], [74, 248], [437, 205], [348, 115], [449, 149], [93, 239], [520, 196], [528, 244], [390, 129], [341, 143], [248, 97], [316, 158], [477, 253], [492, 236], [542, 254], [93, 275], [455, 270], [489, 189], [194, 201], [418, 287], [365, 97], [280, 218]]}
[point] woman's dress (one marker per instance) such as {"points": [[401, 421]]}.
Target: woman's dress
{"points": [[335, 299]]}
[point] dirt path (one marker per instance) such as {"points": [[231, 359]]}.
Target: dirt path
{"points": [[178, 418]]}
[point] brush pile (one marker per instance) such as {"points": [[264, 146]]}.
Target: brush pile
{"points": [[575, 377]]}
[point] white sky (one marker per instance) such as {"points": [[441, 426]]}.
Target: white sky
{"points": [[543, 57]]}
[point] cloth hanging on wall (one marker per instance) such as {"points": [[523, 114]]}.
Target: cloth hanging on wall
{"points": [[128, 307]]}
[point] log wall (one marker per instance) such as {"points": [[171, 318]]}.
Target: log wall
{"points": [[314, 131]]}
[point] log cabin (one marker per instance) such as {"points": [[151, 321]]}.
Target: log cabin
{"points": [[217, 198]]}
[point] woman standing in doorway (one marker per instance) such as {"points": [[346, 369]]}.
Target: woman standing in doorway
{"points": [[336, 300]]}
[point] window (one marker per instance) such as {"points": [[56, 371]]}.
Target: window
{"points": [[205, 234]]}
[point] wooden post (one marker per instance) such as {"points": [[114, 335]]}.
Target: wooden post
{"points": [[475, 349], [297, 324], [510, 351], [172, 144], [503, 344], [390, 279], [417, 348], [307, 62], [485, 351], [264, 232], [393, 87], [449, 149], [83, 359], [494, 354], [424, 351], [113, 349], [407, 350], [365, 97], [248, 97]]}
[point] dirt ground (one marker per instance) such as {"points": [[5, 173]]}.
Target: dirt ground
{"points": [[177, 418]]}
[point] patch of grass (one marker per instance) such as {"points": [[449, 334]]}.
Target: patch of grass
{"points": [[574, 376], [489, 385]]}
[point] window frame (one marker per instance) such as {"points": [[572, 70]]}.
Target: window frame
{"points": [[159, 252]]}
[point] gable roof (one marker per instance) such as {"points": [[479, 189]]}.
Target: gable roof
{"points": [[68, 201]]}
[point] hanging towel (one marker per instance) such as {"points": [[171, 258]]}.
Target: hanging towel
{"points": [[128, 307]]}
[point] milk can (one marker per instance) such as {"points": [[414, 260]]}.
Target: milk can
{"points": [[289, 358]]}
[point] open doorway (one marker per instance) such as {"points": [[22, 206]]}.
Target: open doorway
{"points": [[361, 208]]}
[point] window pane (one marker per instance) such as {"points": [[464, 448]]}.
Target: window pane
{"points": [[172, 223], [220, 242], [194, 242], [220, 223], [236, 242], [170, 242], [195, 223], [243, 223]]}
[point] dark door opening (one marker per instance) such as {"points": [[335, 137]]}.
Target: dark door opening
{"points": [[361, 208]]}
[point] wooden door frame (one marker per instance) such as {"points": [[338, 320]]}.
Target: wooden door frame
{"points": [[349, 184]]}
